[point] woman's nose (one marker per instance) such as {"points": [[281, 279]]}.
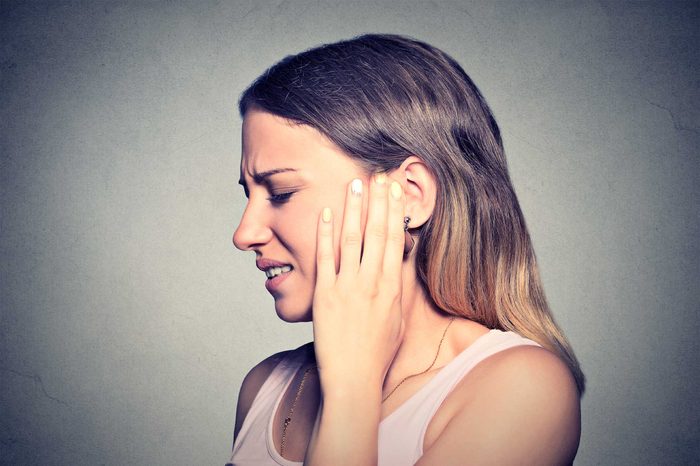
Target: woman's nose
{"points": [[252, 231]]}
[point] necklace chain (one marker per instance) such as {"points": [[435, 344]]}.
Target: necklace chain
{"points": [[437, 353], [288, 419]]}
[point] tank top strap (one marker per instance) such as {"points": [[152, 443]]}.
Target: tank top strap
{"points": [[401, 434]]}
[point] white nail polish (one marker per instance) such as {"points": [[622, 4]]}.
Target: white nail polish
{"points": [[356, 187]]}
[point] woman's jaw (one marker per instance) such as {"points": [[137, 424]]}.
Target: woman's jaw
{"points": [[292, 297]]}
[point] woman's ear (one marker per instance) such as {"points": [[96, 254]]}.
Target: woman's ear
{"points": [[419, 187]]}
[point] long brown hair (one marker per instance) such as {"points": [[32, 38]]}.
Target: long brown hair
{"points": [[381, 98]]}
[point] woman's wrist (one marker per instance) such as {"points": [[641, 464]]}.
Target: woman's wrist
{"points": [[348, 429], [358, 388], [353, 394]]}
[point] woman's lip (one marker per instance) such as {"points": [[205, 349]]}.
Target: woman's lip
{"points": [[264, 264], [273, 283]]}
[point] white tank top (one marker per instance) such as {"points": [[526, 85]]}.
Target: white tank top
{"points": [[401, 433]]}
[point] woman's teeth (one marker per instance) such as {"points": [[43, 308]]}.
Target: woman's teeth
{"points": [[274, 271]]}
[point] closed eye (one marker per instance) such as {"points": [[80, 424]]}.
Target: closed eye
{"points": [[280, 198]]}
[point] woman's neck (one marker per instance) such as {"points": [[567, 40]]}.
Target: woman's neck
{"points": [[424, 326]]}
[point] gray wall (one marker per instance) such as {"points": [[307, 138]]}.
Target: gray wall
{"points": [[128, 319]]}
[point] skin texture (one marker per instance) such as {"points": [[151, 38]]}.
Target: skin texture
{"points": [[373, 325], [285, 232]]}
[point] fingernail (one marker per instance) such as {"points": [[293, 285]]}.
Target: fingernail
{"points": [[395, 190], [356, 187], [380, 178], [326, 214]]}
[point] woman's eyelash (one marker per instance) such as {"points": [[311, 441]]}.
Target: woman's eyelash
{"points": [[280, 198]]}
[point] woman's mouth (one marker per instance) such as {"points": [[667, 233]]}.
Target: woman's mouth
{"points": [[272, 272], [275, 276]]}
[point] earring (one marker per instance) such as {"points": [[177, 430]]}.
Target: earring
{"points": [[409, 242]]}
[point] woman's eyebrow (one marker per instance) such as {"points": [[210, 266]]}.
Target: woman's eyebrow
{"points": [[259, 178]]}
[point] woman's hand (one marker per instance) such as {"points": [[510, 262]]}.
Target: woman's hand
{"points": [[357, 322], [357, 313]]}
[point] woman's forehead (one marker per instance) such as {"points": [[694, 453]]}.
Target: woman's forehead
{"points": [[270, 142]]}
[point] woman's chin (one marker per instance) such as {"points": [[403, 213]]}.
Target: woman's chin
{"points": [[291, 315]]}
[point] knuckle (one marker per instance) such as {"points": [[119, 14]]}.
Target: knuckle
{"points": [[376, 232], [380, 196], [345, 281], [326, 256], [370, 288], [372, 291], [352, 239]]}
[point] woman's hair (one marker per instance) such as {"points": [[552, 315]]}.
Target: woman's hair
{"points": [[382, 98]]}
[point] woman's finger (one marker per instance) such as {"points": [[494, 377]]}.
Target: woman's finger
{"points": [[376, 229], [351, 232], [393, 255], [325, 253]]}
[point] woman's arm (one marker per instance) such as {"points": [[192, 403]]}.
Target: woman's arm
{"points": [[348, 429], [520, 406]]}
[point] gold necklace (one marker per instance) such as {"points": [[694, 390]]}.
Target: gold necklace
{"points": [[431, 364], [288, 419]]}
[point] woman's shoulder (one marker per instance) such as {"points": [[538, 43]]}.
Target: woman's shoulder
{"points": [[256, 377], [524, 397], [523, 370], [510, 363]]}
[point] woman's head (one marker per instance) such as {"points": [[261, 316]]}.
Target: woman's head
{"points": [[382, 99], [290, 173]]}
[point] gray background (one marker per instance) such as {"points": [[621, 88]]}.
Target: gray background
{"points": [[128, 319]]}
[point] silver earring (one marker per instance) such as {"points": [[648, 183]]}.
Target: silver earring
{"points": [[409, 241]]}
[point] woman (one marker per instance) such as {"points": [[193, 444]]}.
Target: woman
{"points": [[380, 207]]}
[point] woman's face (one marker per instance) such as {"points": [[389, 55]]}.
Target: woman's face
{"points": [[280, 219]]}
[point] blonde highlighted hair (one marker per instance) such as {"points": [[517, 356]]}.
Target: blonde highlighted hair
{"points": [[382, 98]]}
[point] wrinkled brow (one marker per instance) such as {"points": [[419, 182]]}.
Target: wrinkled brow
{"points": [[260, 178]]}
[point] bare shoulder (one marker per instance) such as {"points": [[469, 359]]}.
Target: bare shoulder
{"points": [[522, 373], [519, 406], [252, 383]]}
